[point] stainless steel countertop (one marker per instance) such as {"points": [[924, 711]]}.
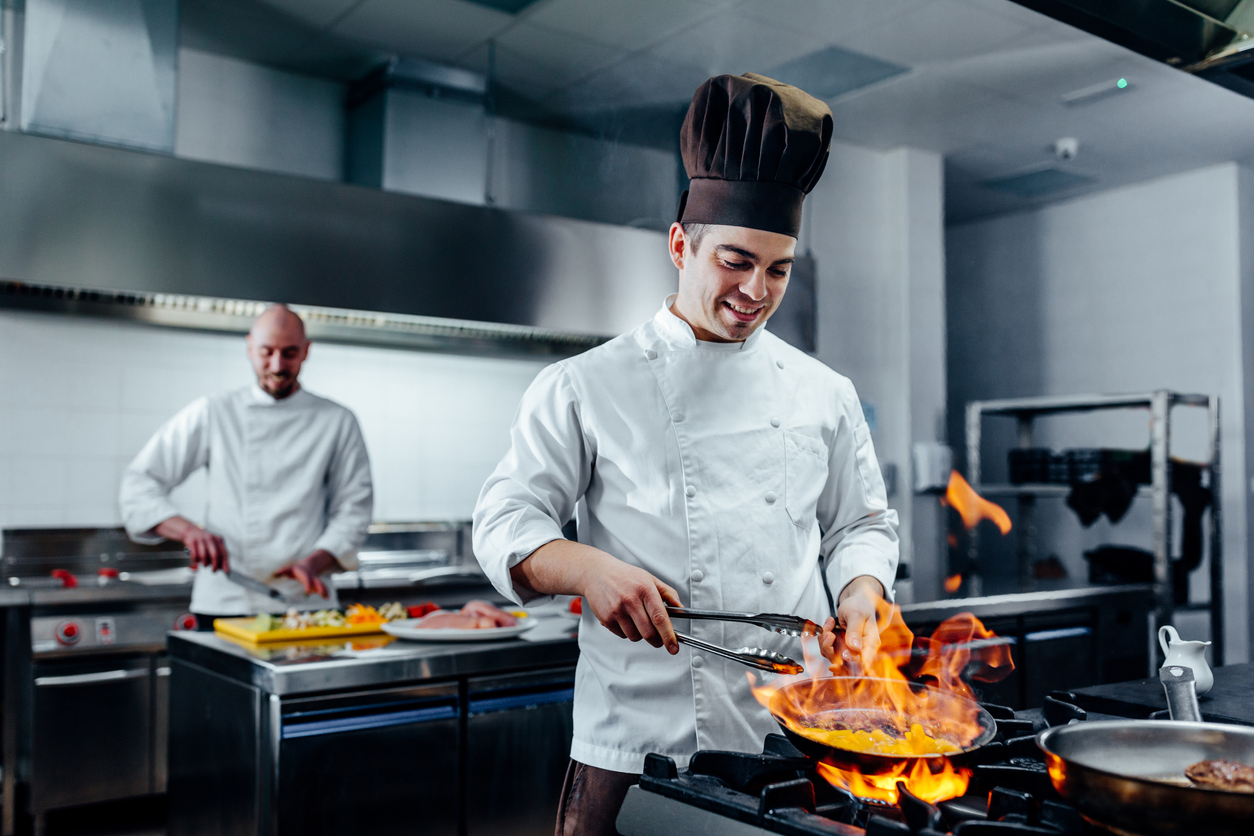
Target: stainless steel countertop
{"points": [[1050, 597], [334, 665], [115, 593]]}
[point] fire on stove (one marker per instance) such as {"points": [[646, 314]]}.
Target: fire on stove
{"points": [[909, 719], [782, 791]]}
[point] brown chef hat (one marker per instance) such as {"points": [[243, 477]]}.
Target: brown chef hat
{"points": [[753, 147]]}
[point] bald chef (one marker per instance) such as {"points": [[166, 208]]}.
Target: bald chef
{"points": [[707, 463], [289, 495]]}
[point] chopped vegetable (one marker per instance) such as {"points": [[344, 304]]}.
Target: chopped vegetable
{"points": [[576, 606], [265, 622], [392, 611], [363, 614]]}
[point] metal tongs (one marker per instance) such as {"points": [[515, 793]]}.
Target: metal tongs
{"points": [[754, 657]]}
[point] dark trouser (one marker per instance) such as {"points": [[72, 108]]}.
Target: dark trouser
{"points": [[590, 800]]}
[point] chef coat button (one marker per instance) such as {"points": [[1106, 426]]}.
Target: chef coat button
{"points": [[679, 416], [770, 497], [650, 354], [697, 575], [690, 491], [697, 661], [779, 364], [768, 578], [774, 422]]}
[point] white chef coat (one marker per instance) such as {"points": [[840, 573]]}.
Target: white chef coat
{"points": [[286, 478], [737, 473]]}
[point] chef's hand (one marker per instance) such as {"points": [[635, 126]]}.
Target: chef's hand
{"points": [[631, 603], [309, 570], [856, 611], [627, 600], [204, 548]]}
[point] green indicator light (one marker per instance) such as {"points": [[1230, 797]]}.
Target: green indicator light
{"points": [[1121, 83]]}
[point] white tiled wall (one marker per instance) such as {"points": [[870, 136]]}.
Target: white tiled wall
{"points": [[79, 397]]}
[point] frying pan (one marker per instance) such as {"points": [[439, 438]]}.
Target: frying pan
{"points": [[828, 692], [1129, 774]]}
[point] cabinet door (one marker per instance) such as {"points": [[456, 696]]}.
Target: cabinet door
{"points": [[91, 734], [385, 768], [1058, 655], [518, 733], [160, 723]]}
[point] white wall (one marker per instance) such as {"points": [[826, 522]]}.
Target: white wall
{"points": [[875, 224], [79, 397], [1135, 289], [237, 113]]}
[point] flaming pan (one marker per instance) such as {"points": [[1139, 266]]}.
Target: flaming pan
{"points": [[806, 708]]}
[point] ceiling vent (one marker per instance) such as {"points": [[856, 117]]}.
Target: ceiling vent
{"points": [[831, 72], [1037, 183]]}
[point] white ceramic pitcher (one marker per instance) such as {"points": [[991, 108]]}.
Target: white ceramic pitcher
{"points": [[1188, 655]]}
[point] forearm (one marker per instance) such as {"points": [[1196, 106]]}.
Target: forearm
{"points": [[175, 528], [559, 567], [863, 583]]}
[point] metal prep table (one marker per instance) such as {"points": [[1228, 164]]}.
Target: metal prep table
{"points": [[437, 738]]}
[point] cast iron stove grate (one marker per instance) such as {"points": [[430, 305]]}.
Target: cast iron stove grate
{"points": [[779, 791]]}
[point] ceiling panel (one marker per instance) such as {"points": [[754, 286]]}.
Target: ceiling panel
{"points": [[319, 13], [434, 29], [562, 57], [733, 43], [538, 61], [938, 30], [639, 80], [827, 18], [921, 109], [627, 24], [1043, 74]]}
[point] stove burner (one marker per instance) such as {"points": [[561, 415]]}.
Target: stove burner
{"points": [[780, 791]]}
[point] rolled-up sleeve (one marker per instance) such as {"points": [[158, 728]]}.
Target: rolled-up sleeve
{"points": [[176, 451], [535, 488], [859, 529], [350, 497]]}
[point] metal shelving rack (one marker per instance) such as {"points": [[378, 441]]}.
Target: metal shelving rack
{"points": [[1159, 404]]}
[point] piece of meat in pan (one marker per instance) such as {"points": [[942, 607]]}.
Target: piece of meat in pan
{"points": [[1222, 775]]}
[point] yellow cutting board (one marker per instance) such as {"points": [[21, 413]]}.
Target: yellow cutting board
{"points": [[243, 630]]}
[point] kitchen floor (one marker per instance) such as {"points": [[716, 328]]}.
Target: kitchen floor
{"points": [[135, 817]]}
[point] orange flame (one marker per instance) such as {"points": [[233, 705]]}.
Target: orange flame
{"points": [[972, 507], [903, 729], [947, 782], [953, 582]]}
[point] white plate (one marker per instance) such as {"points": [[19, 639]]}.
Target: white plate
{"points": [[405, 629]]}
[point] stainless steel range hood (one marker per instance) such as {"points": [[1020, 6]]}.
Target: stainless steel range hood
{"points": [[1208, 38], [153, 232]]}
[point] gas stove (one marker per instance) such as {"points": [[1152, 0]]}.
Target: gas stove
{"points": [[780, 792]]}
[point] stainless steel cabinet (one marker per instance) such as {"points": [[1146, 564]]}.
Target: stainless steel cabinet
{"points": [[378, 762], [92, 732], [518, 732]]}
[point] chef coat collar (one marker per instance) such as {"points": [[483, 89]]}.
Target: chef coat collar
{"points": [[680, 332], [263, 398]]}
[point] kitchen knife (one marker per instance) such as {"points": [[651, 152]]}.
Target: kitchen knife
{"points": [[254, 585]]}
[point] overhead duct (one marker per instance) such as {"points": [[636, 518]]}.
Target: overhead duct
{"points": [[390, 135], [102, 71], [1212, 39]]}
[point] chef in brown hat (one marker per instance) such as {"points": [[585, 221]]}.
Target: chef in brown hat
{"points": [[708, 464]]}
